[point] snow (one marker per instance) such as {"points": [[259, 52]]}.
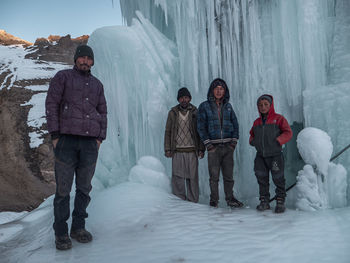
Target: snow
{"points": [[315, 147], [13, 62], [150, 171], [36, 117], [295, 50], [17, 68], [134, 222], [326, 185]]}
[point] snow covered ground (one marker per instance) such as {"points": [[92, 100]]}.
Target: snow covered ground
{"points": [[17, 68], [141, 221], [134, 222]]}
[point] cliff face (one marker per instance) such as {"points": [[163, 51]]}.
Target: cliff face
{"points": [[27, 166], [56, 48], [7, 39]]}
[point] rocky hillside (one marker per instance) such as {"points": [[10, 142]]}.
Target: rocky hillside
{"points": [[7, 39], [26, 157]]}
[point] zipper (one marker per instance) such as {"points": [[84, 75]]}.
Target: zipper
{"points": [[263, 145]]}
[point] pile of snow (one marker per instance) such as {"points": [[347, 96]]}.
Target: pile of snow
{"points": [[315, 147], [150, 171], [321, 184]]}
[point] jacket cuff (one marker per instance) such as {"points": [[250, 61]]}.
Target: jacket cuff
{"points": [[55, 135]]}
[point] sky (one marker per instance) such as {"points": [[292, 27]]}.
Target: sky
{"points": [[40, 18]]}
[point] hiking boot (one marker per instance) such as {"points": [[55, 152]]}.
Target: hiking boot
{"points": [[264, 204], [233, 202], [214, 204], [63, 242], [81, 235], [280, 207]]}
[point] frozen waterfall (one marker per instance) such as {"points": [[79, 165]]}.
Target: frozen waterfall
{"points": [[296, 50]]}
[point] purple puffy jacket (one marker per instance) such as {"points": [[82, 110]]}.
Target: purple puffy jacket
{"points": [[75, 104]]}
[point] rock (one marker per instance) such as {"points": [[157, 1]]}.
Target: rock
{"points": [[7, 39]]}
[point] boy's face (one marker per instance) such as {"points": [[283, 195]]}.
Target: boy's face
{"points": [[264, 106], [219, 92]]}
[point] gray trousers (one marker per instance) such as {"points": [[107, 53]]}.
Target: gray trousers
{"points": [[184, 180], [221, 159]]}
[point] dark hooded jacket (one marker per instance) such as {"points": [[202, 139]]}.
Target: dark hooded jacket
{"points": [[269, 136], [75, 104], [212, 127]]}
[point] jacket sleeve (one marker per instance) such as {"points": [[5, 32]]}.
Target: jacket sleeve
{"points": [[53, 102], [235, 124], [167, 134], [286, 131], [202, 125], [102, 110], [251, 137]]}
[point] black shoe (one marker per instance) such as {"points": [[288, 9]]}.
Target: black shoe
{"points": [[81, 235], [264, 204], [214, 204], [280, 207], [233, 202], [63, 242]]}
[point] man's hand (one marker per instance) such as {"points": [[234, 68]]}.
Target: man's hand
{"points": [[98, 144], [233, 145], [168, 154], [54, 143], [201, 154]]}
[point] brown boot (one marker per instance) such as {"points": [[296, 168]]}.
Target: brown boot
{"points": [[280, 207], [81, 235], [63, 242]]}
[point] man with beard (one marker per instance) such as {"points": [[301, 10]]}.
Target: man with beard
{"points": [[76, 113], [182, 144]]}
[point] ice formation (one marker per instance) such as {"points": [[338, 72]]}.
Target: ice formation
{"points": [[150, 171], [295, 50], [326, 185]]}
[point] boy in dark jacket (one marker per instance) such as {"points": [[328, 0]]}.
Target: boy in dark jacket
{"points": [[218, 129], [269, 132]]}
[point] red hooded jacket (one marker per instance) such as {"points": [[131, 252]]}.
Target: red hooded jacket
{"points": [[268, 137]]}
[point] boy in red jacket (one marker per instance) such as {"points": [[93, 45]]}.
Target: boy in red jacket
{"points": [[269, 132]]}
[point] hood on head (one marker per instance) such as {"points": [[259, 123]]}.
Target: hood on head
{"points": [[218, 82], [272, 108]]}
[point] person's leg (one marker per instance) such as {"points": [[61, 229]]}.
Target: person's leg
{"points": [[85, 170], [227, 171], [178, 176], [192, 184], [65, 163], [214, 173], [276, 165], [262, 175]]}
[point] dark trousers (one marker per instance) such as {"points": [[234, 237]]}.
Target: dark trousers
{"points": [[262, 168], [73, 155], [221, 158]]}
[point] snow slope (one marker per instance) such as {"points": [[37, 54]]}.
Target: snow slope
{"points": [[139, 223]]}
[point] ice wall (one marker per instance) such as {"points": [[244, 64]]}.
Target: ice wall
{"points": [[284, 48], [137, 66]]}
